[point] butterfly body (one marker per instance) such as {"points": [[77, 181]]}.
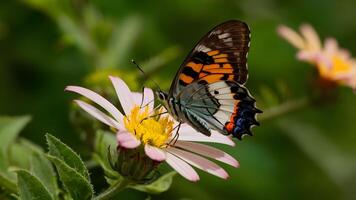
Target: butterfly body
{"points": [[208, 91]]}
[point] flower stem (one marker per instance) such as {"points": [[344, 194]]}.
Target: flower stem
{"points": [[113, 190], [285, 108]]}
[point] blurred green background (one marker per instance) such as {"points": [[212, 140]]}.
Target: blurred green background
{"points": [[46, 45]]}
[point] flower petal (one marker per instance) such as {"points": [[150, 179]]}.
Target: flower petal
{"points": [[124, 94], [308, 56], [291, 36], [137, 97], [200, 162], [127, 140], [148, 99], [98, 114], [182, 167], [208, 151], [101, 101], [311, 37], [155, 153], [187, 133], [330, 46]]}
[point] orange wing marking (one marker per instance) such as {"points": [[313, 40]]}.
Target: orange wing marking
{"points": [[211, 66], [213, 78], [221, 60], [219, 71], [194, 66], [212, 53], [185, 78], [223, 55]]}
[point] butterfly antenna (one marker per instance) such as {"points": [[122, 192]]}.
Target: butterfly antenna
{"points": [[144, 74]]}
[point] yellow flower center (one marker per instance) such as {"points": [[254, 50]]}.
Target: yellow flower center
{"points": [[338, 66], [154, 131]]}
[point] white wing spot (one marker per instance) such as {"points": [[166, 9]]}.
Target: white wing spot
{"points": [[217, 32], [203, 48], [217, 86], [227, 40], [224, 35]]}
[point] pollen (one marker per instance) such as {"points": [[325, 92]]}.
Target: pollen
{"points": [[148, 129]]}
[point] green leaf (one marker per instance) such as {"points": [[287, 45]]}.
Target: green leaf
{"points": [[30, 187], [61, 151], [75, 183], [42, 168], [7, 184], [19, 151], [160, 185], [10, 127]]}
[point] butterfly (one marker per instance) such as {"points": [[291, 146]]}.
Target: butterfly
{"points": [[208, 91]]}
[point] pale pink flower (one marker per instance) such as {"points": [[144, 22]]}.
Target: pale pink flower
{"points": [[155, 134], [332, 62]]}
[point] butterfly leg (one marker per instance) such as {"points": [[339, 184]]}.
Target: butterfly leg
{"points": [[159, 114], [176, 135]]}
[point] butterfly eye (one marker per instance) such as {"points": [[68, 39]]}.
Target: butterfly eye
{"points": [[162, 96]]}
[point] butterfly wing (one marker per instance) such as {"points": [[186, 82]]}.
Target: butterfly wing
{"points": [[225, 106], [220, 55]]}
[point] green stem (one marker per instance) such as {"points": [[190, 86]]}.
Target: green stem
{"points": [[285, 108], [113, 190]]}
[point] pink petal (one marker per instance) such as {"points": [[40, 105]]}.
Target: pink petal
{"points": [[291, 36], [182, 167], [208, 151], [98, 114], [124, 94], [311, 37], [187, 133], [101, 101], [155, 153], [200, 162], [127, 140]]}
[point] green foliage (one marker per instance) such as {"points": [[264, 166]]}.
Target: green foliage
{"points": [[75, 183], [42, 168], [7, 184], [319, 148], [160, 185], [10, 127], [30, 187], [20, 148], [67, 155], [104, 141], [120, 43], [71, 169]]}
